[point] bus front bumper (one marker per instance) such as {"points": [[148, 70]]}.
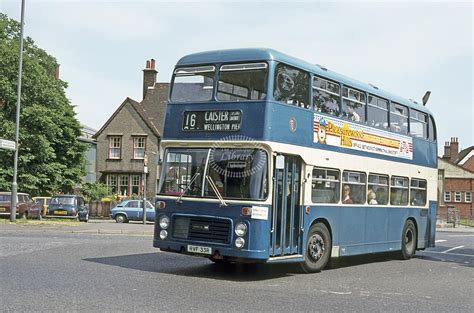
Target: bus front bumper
{"points": [[210, 250]]}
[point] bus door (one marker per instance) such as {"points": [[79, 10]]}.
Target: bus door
{"points": [[286, 214]]}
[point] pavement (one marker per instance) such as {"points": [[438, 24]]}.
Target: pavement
{"points": [[94, 226], [110, 227]]}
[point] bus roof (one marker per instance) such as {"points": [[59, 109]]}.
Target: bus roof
{"points": [[258, 54]]}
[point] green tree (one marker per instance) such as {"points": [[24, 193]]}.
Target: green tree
{"points": [[95, 191], [50, 157]]}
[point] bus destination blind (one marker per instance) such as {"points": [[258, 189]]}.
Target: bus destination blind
{"points": [[212, 121]]}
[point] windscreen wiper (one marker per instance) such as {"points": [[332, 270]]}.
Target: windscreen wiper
{"points": [[216, 191], [187, 187]]}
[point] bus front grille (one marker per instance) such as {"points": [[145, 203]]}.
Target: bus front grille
{"points": [[202, 229]]}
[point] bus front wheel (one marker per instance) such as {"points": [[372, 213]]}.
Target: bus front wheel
{"points": [[409, 238], [318, 249]]}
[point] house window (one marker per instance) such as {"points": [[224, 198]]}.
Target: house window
{"points": [[138, 147], [115, 147], [468, 196], [135, 184], [112, 184], [457, 196], [447, 196], [123, 186]]}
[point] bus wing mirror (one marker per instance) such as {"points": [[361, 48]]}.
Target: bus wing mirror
{"points": [[280, 162]]}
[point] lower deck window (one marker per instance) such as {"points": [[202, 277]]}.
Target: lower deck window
{"points": [[353, 189], [399, 191], [418, 192], [325, 186]]}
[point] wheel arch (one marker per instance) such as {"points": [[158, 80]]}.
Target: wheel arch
{"points": [[325, 222]]}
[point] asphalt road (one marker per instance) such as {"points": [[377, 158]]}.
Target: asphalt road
{"points": [[50, 270]]}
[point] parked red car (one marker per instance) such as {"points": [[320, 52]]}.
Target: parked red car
{"points": [[25, 207]]}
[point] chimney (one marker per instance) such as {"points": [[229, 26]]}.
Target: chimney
{"points": [[447, 151], [56, 72], [149, 76], [451, 150], [454, 149]]}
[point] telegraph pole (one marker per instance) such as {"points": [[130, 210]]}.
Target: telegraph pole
{"points": [[17, 129]]}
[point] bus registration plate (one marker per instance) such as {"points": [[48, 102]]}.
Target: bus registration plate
{"points": [[199, 249]]}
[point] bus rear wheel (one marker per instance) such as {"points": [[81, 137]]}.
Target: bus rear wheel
{"points": [[318, 249], [409, 238]]}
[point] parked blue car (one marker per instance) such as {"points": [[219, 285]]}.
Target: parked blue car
{"points": [[68, 206], [132, 210]]}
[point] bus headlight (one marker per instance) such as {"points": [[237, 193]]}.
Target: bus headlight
{"points": [[241, 229], [164, 222], [239, 242], [163, 234]]}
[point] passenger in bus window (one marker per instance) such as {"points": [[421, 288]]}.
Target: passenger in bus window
{"points": [[382, 195], [418, 199], [371, 197], [346, 195], [353, 114]]}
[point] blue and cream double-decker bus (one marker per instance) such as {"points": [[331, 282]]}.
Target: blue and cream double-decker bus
{"points": [[268, 158]]}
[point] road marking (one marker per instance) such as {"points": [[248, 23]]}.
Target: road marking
{"points": [[441, 240], [458, 247], [457, 254], [460, 235], [340, 293]]}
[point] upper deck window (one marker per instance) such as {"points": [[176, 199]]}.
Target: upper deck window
{"points": [[240, 82], [291, 86], [353, 104], [398, 118], [193, 84], [326, 96], [418, 124], [377, 112], [431, 129]]}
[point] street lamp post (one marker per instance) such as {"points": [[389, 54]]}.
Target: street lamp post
{"points": [[145, 171], [17, 128]]}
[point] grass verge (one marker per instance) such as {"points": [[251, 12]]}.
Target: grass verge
{"points": [[466, 222], [32, 222]]}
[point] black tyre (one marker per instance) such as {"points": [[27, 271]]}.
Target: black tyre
{"points": [[120, 218], [409, 239], [318, 249], [86, 219]]}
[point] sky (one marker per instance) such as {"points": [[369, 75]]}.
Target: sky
{"points": [[405, 47]]}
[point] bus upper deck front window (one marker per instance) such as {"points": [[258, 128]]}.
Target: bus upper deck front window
{"points": [[193, 84], [240, 82]]}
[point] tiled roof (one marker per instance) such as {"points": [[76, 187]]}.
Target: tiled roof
{"points": [[151, 110]]}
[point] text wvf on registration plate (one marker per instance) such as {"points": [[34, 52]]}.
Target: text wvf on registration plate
{"points": [[199, 249]]}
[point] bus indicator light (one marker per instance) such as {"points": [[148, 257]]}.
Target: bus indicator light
{"points": [[239, 242], [308, 210], [246, 211]]}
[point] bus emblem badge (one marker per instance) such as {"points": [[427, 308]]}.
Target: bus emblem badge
{"points": [[202, 227], [292, 124]]}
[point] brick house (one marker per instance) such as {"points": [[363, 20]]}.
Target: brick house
{"points": [[456, 180], [131, 137]]}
